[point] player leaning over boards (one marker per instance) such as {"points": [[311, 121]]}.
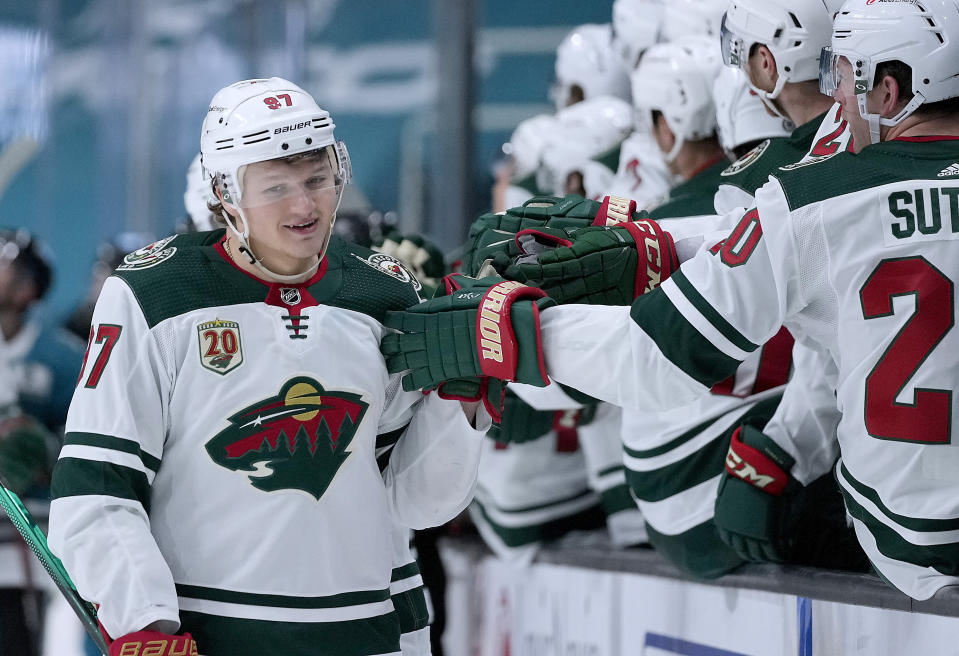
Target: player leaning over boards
{"points": [[855, 249], [219, 476]]}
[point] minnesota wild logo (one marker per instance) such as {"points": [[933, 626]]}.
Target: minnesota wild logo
{"points": [[296, 440], [148, 256], [746, 160]]}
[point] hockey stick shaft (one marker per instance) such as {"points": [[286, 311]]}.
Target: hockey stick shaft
{"points": [[37, 541]]}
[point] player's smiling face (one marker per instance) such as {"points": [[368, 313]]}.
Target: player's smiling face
{"points": [[289, 207]]}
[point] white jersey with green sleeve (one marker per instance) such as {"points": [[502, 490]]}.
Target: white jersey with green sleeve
{"points": [[857, 253], [219, 470]]}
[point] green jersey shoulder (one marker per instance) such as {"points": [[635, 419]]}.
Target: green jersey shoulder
{"points": [[186, 272], [878, 165], [693, 197], [751, 171]]}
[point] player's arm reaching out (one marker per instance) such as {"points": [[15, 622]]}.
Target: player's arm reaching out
{"points": [[673, 343]]}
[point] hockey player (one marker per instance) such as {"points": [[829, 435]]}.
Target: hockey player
{"points": [[407, 592], [674, 460], [582, 153], [636, 26], [855, 251], [676, 79], [219, 479], [742, 122], [685, 17], [550, 452], [43, 358], [587, 67], [516, 180], [777, 43]]}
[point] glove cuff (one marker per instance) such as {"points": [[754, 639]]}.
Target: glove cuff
{"points": [[488, 390], [762, 464], [153, 642], [614, 210], [495, 338], [657, 252]]}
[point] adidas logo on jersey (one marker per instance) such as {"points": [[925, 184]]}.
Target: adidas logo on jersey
{"points": [[952, 169]]}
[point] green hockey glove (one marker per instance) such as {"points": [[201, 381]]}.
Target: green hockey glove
{"points": [[487, 327], [523, 423], [423, 258], [490, 391], [754, 506], [493, 234], [601, 266]]}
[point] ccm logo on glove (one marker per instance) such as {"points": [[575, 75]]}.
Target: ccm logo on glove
{"points": [[754, 466], [645, 232]]}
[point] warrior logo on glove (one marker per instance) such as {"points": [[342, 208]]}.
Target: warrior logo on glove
{"points": [[488, 328], [300, 436]]}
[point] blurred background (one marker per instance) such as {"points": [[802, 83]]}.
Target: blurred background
{"points": [[104, 99]]}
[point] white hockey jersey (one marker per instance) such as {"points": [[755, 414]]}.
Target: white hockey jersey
{"points": [[857, 252], [220, 465], [534, 490]]}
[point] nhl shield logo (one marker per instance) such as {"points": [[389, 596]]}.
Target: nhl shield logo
{"points": [[220, 348], [290, 295]]}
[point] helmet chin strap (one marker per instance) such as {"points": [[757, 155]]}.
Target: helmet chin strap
{"points": [[244, 238], [673, 153], [768, 97], [875, 120]]}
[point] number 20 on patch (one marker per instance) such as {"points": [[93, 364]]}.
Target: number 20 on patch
{"points": [[220, 349]]}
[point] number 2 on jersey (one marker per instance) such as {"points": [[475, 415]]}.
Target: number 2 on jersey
{"points": [[928, 419], [106, 334]]}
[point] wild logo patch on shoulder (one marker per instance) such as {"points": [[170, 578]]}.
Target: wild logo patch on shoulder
{"points": [[391, 267], [746, 160], [148, 256], [295, 440], [220, 349]]}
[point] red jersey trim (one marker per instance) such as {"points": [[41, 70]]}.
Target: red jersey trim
{"points": [[932, 137]]}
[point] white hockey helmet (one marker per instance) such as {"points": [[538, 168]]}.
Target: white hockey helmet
{"points": [[795, 31], [258, 120], [586, 59], [529, 139], [923, 34], [636, 26], [741, 117], [197, 196], [686, 17], [677, 80], [583, 131]]}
